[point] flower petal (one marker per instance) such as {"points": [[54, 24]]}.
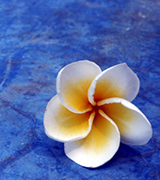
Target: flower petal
{"points": [[73, 82], [117, 81], [134, 127], [98, 147], [63, 125]]}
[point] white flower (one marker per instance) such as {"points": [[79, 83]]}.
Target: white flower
{"points": [[92, 112]]}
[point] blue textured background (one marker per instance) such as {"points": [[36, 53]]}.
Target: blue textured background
{"points": [[39, 37]]}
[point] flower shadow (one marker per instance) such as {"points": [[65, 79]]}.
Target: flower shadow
{"points": [[124, 155]]}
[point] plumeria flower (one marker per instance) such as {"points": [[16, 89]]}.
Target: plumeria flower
{"points": [[92, 112]]}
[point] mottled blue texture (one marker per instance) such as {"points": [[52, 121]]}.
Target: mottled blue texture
{"points": [[37, 38]]}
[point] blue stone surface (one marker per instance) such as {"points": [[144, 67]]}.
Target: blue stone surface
{"points": [[37, 39]]}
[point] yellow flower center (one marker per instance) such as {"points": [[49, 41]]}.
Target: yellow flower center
{"points": [[95, 108]]}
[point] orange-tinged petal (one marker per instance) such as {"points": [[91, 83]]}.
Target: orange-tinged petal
{"points": [[98, 147], [117, 81], [63, 125], [73, 82], [134, 127]]}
